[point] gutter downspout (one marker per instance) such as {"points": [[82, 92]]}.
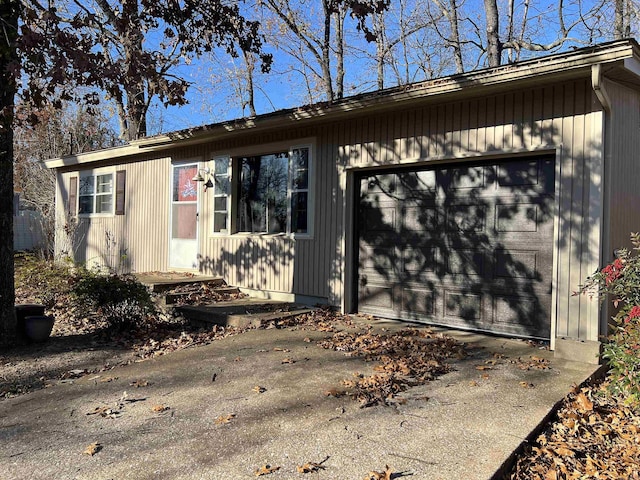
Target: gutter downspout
{"points": [[598, 85]]}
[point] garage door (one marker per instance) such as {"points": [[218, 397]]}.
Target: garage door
{"points": [[466, 246]]}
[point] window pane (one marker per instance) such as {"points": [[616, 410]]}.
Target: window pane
{"points": [[184, 221], [220, 204], [221, 166], [300, 180], [222, 185], [86, 185], [301, 157], [85, 204], [104, 183], [184, 188], [299, 209], [262, 204], [104, 203], [219, 222]]}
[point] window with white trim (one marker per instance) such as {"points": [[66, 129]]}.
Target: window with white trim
{"points": [[221, 194], [95, 193], [271, 193]]}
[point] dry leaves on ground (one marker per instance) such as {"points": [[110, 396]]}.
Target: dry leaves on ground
{"points": [[265, 470], [105, 412], [159, 408], [224, 419], [92, 449], [309, 467], [406, 358], [594, 436], [386, 475]]}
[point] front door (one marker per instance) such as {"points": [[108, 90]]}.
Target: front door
{"points": [[183, 249]]}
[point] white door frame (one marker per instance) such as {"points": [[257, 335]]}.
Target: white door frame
{"points": [[188, 247]]}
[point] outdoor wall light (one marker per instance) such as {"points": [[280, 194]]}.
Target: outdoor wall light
{"points": [[200, 177]]}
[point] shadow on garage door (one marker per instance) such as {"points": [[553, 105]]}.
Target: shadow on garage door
{"points": [[467, 246]]}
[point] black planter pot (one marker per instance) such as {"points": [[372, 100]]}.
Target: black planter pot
{"points": [[38, 328], [23, 311]]}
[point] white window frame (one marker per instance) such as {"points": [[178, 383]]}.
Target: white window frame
{"points": [[234, 173], [83, 174], [291, 191], [217, 194]]}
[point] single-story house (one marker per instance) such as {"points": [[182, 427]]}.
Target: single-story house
{"points": [[478, 201]]}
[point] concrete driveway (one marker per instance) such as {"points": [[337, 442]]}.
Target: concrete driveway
{"points": [[464, 425]]}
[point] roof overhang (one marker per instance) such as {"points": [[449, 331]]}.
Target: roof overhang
{"points": [[618, 60]]}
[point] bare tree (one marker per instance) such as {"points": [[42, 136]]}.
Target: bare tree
{"points": [[56, 133], [325, 43]]}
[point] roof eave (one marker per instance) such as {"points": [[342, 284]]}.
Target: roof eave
{"points": [[557, 67]]}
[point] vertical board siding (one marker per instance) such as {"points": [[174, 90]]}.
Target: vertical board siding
{"points": [[553, 117], [624, 167], [135, 241]]}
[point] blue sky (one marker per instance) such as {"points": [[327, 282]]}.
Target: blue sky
{"points": [[211, 101]]}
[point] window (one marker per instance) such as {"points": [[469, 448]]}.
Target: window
{"points": [[273, 192], [95, 194], [221, 193], [299, 190]]}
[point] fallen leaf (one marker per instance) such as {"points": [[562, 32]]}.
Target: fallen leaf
{"points": [[259, 389], [473, 383], [307, 340], [279, 349], [485, 376], [526, 385], [105, 412], [334, 392], [109, 379], [266, 470], [483, 367], [288, 360], [223, 419], [583, 402], [92, 449], [386, 475], [159, 408], [139, 383], [309, 467]]}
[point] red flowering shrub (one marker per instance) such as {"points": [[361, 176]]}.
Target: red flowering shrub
{"points": [[620, 280]]}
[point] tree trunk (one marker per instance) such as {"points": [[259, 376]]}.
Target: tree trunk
{"points": [[455, 37], [250, 65], [132, 37], [9, 12], [494, 48], [326, 50], [381, 47], [340, 16], [618, 21]]}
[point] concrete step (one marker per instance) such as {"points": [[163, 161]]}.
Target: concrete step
{"points": [[241, 313], [163, 283], [175, 297]]}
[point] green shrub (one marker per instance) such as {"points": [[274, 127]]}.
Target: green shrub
{"points": [[621, 280], [121, 300]]}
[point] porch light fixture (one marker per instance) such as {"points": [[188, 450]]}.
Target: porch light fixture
{"points": [[200, 177]]}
